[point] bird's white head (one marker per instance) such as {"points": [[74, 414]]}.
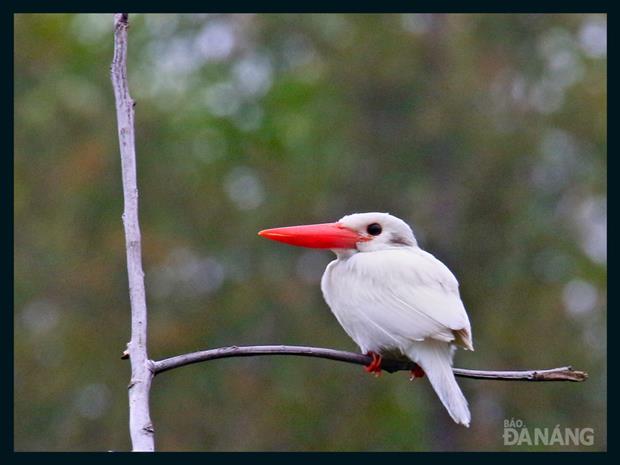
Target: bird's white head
{"points": [[359, 232], [379, 230]]}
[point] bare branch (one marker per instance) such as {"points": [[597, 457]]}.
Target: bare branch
{"points": [[141, 428], [553, 374]]}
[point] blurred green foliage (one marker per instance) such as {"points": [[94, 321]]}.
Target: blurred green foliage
{"points": [[487, 133]]}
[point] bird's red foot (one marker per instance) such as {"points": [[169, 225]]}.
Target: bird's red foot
{"points": [[417, 372], [375, 365]]}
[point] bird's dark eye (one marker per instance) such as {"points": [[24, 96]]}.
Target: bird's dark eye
{"points": [[374, 229]]}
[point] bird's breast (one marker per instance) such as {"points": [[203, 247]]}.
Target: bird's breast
{"points": [[349, 291]]}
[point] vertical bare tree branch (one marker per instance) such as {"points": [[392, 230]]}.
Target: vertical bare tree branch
{"points": [[140, 425]]}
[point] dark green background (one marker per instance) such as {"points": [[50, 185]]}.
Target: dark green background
{"points": [[487, 133]]}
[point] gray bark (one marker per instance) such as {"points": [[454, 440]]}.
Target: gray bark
{"points": [[140, 425], [553, 374]]}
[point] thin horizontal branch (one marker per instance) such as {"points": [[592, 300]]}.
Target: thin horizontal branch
{"points": [[554, 374]]}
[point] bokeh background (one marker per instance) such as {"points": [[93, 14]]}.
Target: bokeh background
{"points": [[487, 133]]}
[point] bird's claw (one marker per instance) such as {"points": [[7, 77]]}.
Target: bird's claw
{"points": [[375, 366], [417, 372]]}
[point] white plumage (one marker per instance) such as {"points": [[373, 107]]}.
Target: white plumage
{"points": [[391, 295]]}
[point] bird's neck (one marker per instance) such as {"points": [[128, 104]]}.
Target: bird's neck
{"points": [[343, 254]]}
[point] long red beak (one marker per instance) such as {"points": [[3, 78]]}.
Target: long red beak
{"points": [[316, 236]]}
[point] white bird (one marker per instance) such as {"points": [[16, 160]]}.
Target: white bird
{"points": [[391, 297]]}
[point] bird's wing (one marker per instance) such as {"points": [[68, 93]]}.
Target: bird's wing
{"points": [[410, 294]]}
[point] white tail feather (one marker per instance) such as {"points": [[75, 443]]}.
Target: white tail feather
{"points": [[435, 358]]}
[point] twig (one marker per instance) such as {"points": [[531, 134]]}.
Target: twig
{"points": [[553, 374], [140, 425]]}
